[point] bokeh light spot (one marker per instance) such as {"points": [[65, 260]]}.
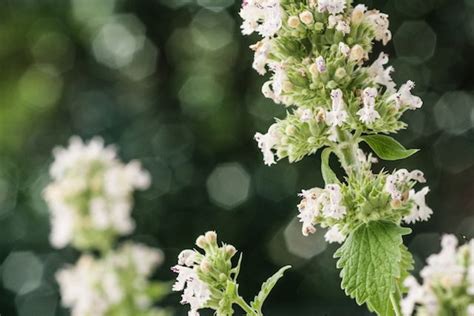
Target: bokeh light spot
{"points": [[415, 41], [453, 112], [301, 246], [22, 272], [228, 185]]}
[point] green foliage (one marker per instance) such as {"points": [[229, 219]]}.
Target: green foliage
{"points": [[371, 263], [267, 286], [328, 175], [387, 147]]}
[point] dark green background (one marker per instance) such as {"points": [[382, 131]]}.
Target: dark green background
{"points": [[170, 82]]}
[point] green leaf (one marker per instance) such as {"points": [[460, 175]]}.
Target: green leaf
{"points": [[406, 265], [267, 286], [388, 148], [370, 260], [328, 175]]}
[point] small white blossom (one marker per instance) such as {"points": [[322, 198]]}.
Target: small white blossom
{"points": [[321, 64], [91, 191], [381, 75], [380, 23], [337, 116], [308, 209], [404, 97], [331, 6], [368, 114], [420, 211], [334, 235], [261, 16], [262, 51], [339, 23], [470, 310], [266, 143], [358, 13], [334, 207], [344, 49], [195, 292], [97, 286]]}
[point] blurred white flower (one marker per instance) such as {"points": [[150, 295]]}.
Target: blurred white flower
{"points": [[261, 16], [90, 197], [97, 286]]}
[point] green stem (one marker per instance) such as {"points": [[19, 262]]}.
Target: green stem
{"points": [[346, 151], [249, 310], [395, 298]]}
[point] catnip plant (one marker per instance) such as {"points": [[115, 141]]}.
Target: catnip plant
{"points": [[90, 200], [317, 53], [209, 279]]}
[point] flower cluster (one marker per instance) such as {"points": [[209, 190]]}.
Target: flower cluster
{"points": [[448, 282], [90, 200], [318, 59], [209, 280], [113, 285], [344, 206], [204, 279], [90, 197]]}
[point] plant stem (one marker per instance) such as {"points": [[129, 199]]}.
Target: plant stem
{"points": [[395, 298], [249, 310], [347, 152]]}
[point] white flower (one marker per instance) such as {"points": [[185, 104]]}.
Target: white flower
{"points": [[262, 51], [381, 75], [420, 211], [334, 208], [344, 49], [380, 23], [404, 97], [262, 16], [444, 267], [91, 191], [368, 114], [266, 143], [334, 235], [337, 116], [331, 6], [195, 292], [321, 64], [358, 13], [470, 310], [305, 115], [309, 208], [339, 23]]}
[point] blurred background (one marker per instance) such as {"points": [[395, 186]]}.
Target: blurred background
{"points": [[170, 82]]}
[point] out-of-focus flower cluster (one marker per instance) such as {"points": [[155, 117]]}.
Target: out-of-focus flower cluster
{"points": [[91, 201], [317, 52], [207, 280], [448, 283], [344, 206], [113, 285], [90, 197]]}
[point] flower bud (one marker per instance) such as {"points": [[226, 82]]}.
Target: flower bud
{"points": [[396, 203], [205, 266], [340, 73], [332, 85], [293, 22], [306, 17], [211, 237], [313, 69], [287, 86], [222, 277], [186, 257], [290, 130], [357, 53], [318, 26], [201, 242], [230, 251], [357, 15]]}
